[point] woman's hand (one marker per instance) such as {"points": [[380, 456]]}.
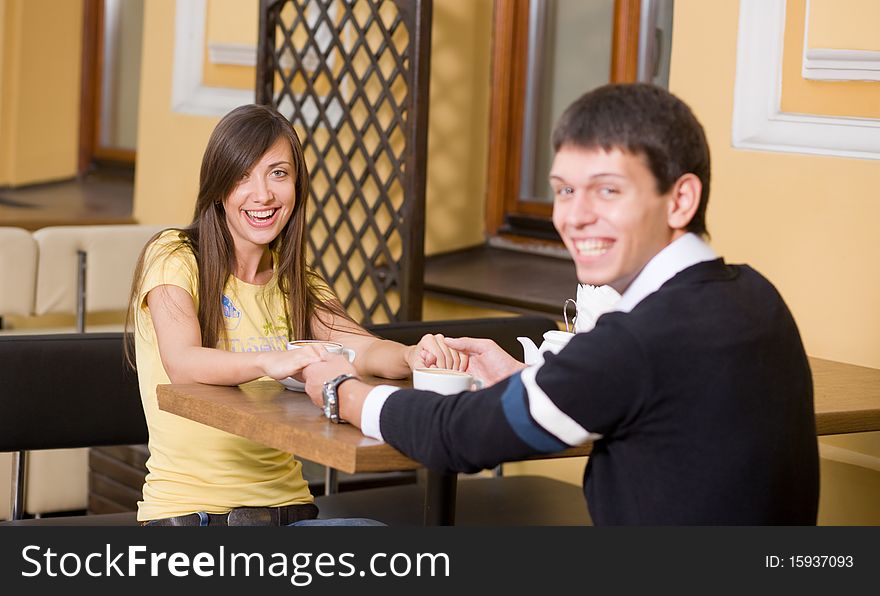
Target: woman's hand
{"points": [[432, 350], [280, 365]]}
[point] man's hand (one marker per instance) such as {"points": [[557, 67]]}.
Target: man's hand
{"points": [[351, 394], [486, 360], [317, 373]]}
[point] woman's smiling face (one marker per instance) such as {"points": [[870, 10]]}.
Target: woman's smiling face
{"points": [[261, 203]]}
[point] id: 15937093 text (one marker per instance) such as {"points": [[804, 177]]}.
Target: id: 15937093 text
{"points": [[808, 561]]}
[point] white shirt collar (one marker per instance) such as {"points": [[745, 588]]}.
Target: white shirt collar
{"points": [[684, 252]]}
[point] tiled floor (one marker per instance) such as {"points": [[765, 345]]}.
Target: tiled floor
{"points": [[103, 197]]}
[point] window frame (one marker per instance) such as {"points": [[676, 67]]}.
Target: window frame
{"points": [[507, 214]]}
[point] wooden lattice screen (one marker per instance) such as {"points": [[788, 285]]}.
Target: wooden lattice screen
{"points": [[352, 77]]}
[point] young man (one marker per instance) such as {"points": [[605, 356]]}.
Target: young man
{"points": [[696, 390]]}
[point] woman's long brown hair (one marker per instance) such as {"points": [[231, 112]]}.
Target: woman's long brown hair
{"points": [[239, 140]]}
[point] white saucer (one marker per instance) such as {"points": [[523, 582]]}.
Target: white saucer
{"points": [[293, 384]]}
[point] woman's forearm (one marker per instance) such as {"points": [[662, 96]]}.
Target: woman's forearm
{"points": [[193, 364], [385, 358], [217, 367]]}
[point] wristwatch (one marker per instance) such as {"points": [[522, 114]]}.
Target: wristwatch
{"points": [[331, 397]]}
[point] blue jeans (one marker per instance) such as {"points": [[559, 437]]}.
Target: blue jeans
{"points": [[338, 521]]}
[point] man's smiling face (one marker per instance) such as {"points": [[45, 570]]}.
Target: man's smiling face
{"points": [[609, 214]]}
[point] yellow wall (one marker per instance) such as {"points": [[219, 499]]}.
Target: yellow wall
{"points": [[170, 145], [458, 128], [807, 222], [39, 90], [232, 21], [844, 24], [4, 100]]}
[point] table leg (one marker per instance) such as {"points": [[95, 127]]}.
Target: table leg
{"points": [[331, 481], [440, 492]]}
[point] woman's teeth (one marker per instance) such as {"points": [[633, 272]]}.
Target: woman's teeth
{"points": [[261, 215]]}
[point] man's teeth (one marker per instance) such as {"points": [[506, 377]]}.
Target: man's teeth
{"points": [[592, 247], [266, 214]]}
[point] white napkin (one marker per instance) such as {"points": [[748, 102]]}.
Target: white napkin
{"points": [[592, 302]]}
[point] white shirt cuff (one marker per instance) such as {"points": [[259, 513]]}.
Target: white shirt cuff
{"points": [[372, 408]]}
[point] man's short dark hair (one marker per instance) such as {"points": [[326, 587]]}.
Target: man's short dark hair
{"points": [[645, 120]]}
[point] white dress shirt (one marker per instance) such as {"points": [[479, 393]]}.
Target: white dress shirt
{"points": [[684, 252]]}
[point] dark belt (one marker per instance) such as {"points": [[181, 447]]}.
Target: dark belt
{"points": [[244, 516]]}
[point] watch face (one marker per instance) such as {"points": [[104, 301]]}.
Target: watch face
{"points": [[332, 409], [326, 396]]}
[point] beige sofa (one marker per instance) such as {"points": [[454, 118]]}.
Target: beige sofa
{"points": [[57, 280]]}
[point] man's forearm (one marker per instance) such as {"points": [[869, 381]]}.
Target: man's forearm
{"points": [[351, 400]]}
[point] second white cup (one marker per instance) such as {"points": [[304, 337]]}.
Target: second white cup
{"points": [[331, 346], [445, 381]]}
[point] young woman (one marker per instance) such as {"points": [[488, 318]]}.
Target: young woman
{"points": [[217, 302]]}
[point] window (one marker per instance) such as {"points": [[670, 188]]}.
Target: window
{"points": [[546, 53]]}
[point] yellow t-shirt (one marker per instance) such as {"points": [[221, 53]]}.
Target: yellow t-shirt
{"points": [[193, 467]]}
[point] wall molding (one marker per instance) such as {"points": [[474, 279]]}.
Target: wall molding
{"points": [[235, 54], [188, 93], [823, 64], [758, 122], [837, 64]]}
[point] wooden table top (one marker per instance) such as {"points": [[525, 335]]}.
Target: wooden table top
{"points": [[269, 414], [847, 399]]}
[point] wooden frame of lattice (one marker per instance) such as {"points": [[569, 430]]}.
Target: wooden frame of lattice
{"points": [[352, 77]]}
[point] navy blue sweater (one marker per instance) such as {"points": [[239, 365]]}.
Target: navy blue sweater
{"points": [[702, 396]]}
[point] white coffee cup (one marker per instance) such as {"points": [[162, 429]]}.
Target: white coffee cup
{"points": [[331, 346], [445, 381]]}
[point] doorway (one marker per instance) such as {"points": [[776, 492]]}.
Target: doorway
{"points": [[112, 34]]}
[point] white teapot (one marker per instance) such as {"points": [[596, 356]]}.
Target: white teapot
{"points": [[554, 341]]}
